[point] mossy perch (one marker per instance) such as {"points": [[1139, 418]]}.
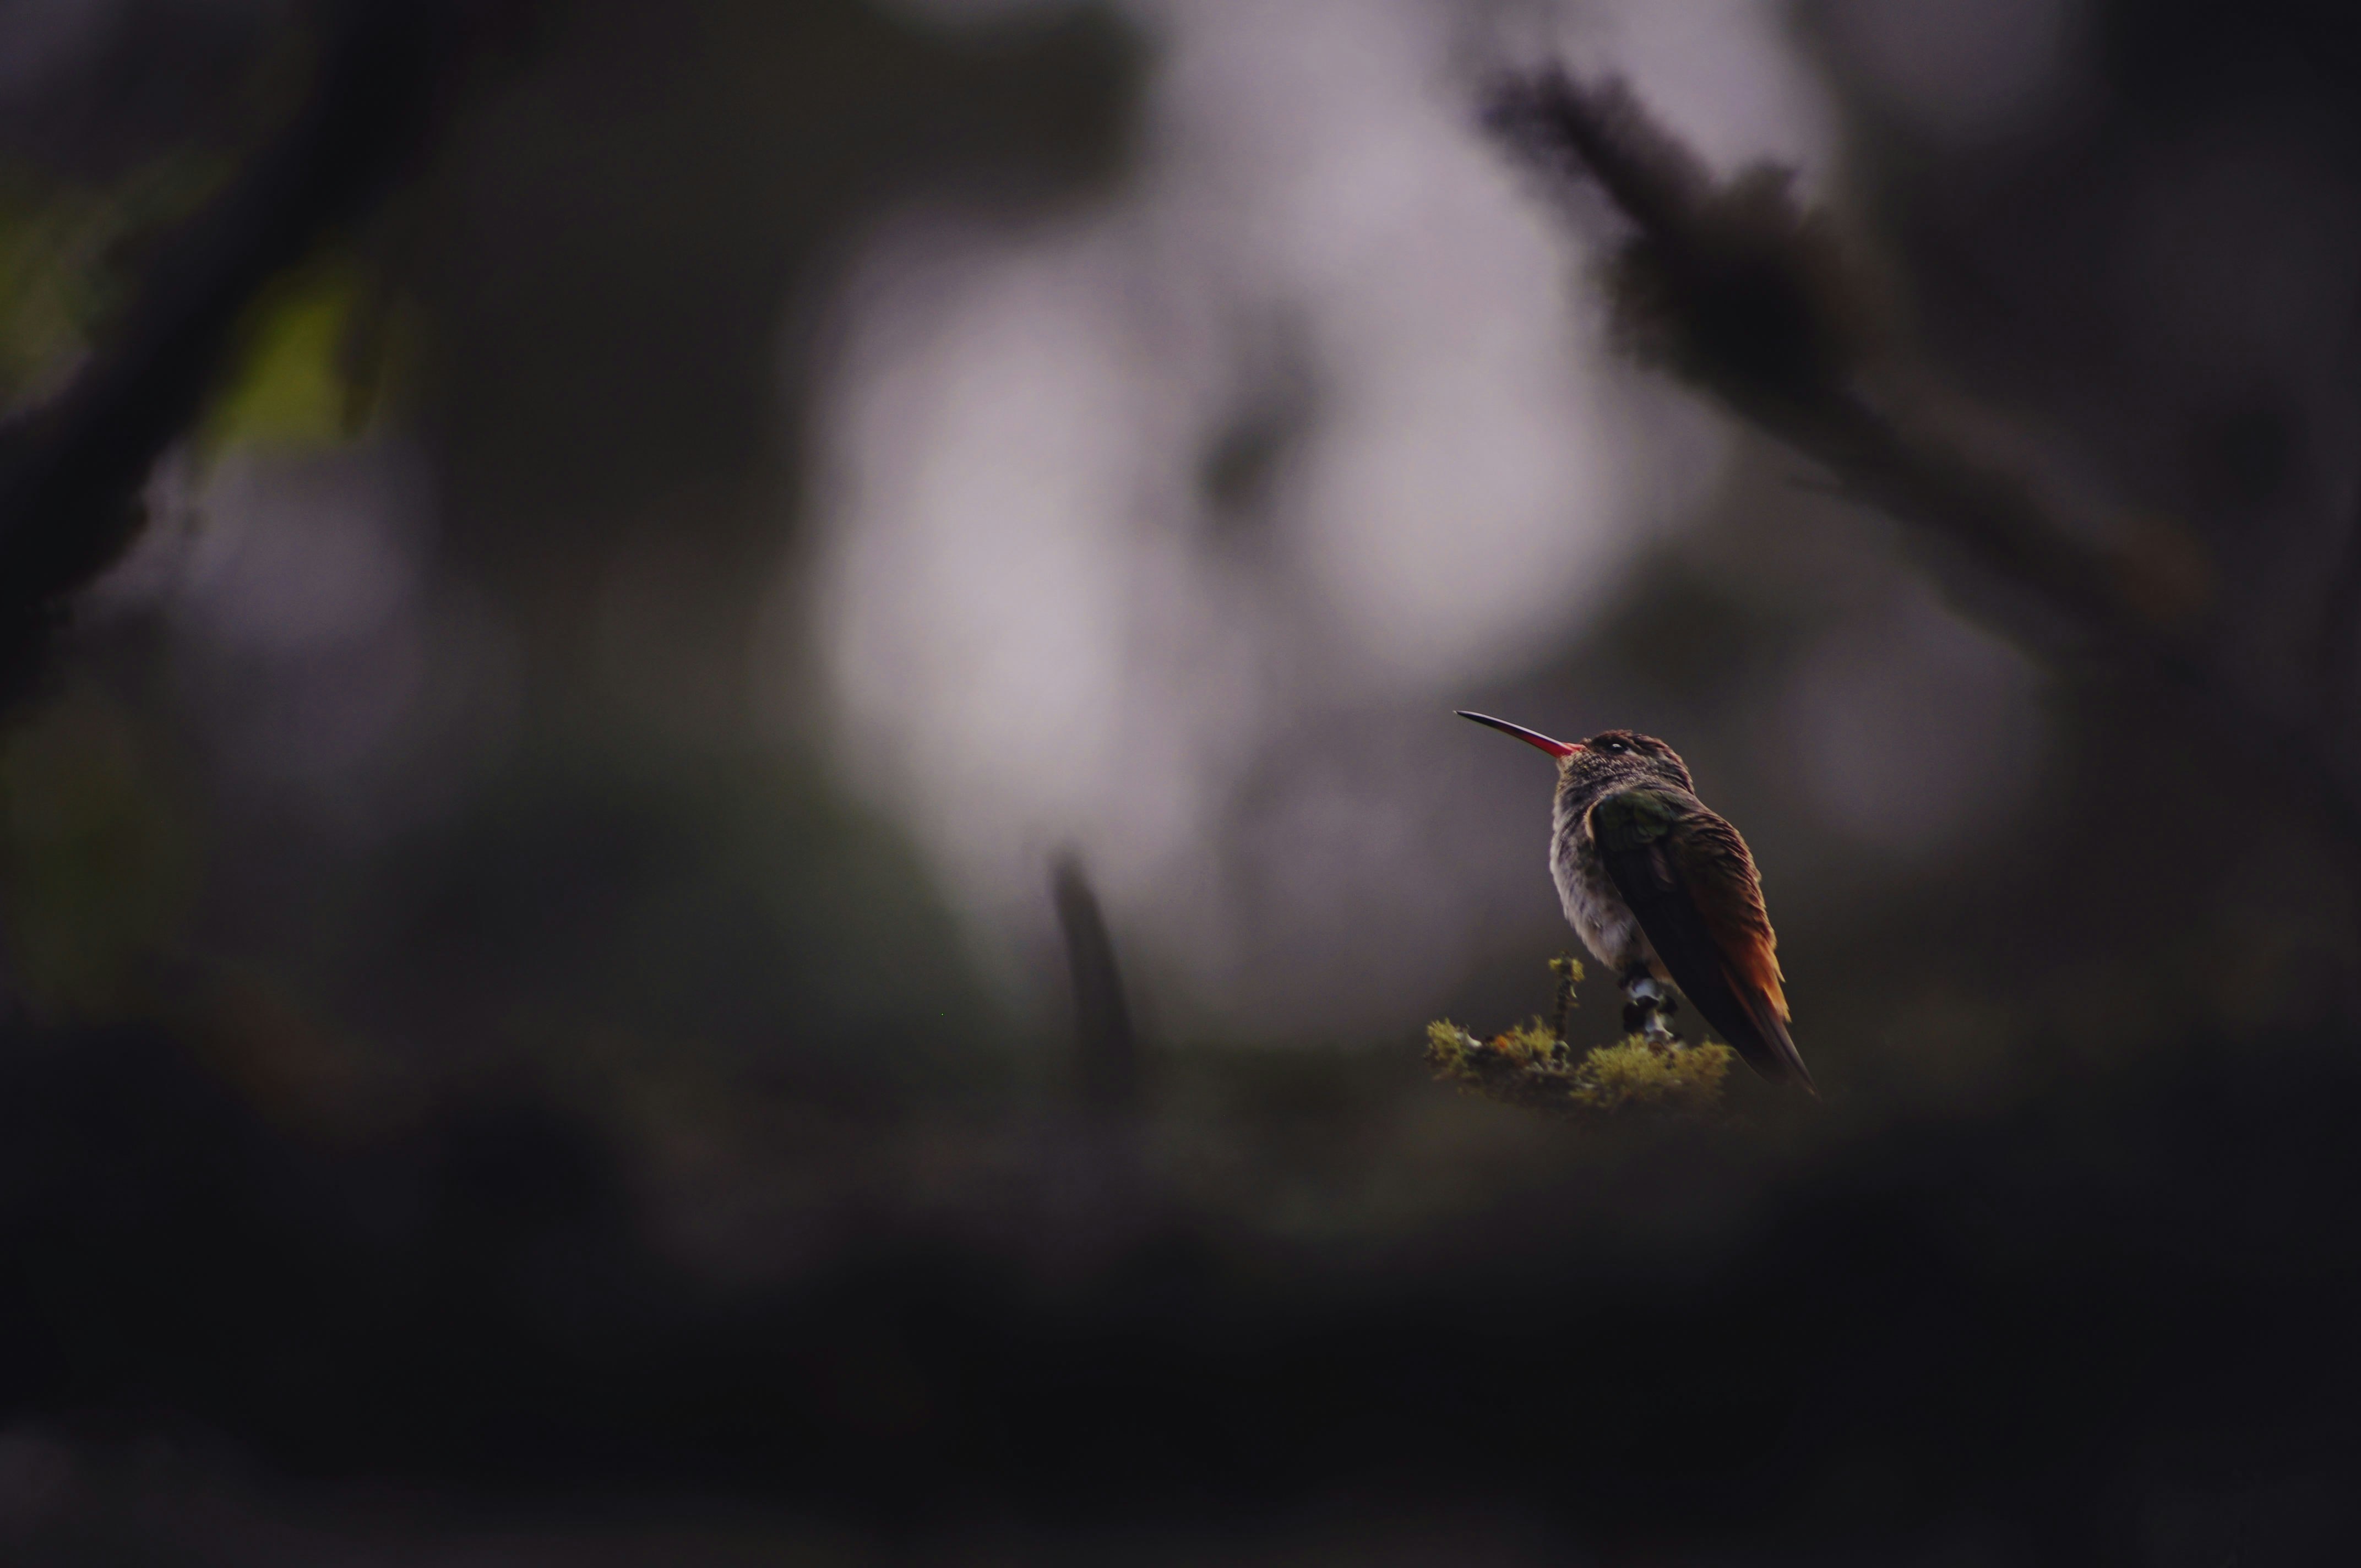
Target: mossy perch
{"points": [[1532, 1066]]}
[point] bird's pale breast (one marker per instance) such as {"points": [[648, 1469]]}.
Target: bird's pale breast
{"points": [[1593, 907]]}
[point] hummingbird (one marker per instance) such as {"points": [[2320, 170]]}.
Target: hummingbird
{"points": [[1663, 891]]}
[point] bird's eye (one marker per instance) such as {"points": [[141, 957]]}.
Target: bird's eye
{"points": [[1615, 746]]}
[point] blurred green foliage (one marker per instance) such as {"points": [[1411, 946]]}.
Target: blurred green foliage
{"points": [[70, 254], [98, 861], [319, 348], [316, 348], [53, 240]]}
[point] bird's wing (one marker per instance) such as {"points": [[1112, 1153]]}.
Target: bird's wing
{"points": [[1690, 882]]}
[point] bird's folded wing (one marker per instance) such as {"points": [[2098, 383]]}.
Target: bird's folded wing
{"points": [[1690, 882]]}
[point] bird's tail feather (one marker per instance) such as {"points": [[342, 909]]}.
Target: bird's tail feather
{"points": [[1772, 1050]]}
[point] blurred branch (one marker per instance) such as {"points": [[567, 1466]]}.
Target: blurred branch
{"points": [[1106, 1048], [72, 470], [1735, 290]]}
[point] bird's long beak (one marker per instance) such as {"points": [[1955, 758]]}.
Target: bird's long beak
{"points": [[1530, 737]]}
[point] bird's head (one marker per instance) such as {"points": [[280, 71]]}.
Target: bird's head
{"points": [[1611, 757]]}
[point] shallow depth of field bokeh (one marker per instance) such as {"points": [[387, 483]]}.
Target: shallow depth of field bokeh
{"points": [[539, 1029]]}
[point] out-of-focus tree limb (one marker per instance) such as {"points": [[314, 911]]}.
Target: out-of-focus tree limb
{"points": [[1735, 289], [72, 469]]}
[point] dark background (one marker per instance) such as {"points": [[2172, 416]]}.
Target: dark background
{"points": [[536, 1027]]}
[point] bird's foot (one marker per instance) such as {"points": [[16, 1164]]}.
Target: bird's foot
{"points": [[1648, 1008]]}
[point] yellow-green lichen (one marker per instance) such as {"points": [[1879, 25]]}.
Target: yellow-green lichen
{"points": [[1532, 1066], [1637, 1072]]}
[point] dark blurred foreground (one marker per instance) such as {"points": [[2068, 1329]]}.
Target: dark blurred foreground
{"points": [[2114, 1325]]}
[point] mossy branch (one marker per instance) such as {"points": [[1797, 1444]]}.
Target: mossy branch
{"points": [[1532, 1065]]}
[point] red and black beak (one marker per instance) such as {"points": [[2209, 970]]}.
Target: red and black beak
{"points": [[1530, 737]]}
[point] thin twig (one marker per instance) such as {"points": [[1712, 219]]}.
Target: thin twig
{"points": [[1106, 1048]]}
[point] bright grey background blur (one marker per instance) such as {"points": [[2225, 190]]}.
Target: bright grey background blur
{"points": [[1165, 514]]}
